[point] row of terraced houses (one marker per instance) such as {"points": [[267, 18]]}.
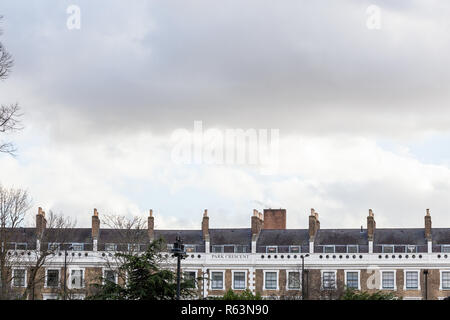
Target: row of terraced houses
{"points": [[268, 258]]}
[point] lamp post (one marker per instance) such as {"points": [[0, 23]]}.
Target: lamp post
{"points": [[303, 275], [65, 271], [179, 253]]}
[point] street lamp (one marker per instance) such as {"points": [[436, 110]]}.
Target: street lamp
{"points": [[179, 253], [303, 275]]}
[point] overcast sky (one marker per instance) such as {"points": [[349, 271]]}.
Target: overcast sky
{"points": [[363, 114]]}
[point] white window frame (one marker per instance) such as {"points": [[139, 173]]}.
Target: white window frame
{"points": [[267, 249], [69, 285], [51, 244], [278, 280], [388, 246], [411, 245], [299, 249], [77, 244], [418, 280], [395, 280], [359, 278], [116, 275], [329, 246], [222, 249], [46, 277], [447, 246], [211, 279], [232, 279], [21, 243], [287, 280], [111, 244], [440, 279], [353, 245], [195, 277], [321, 279], [13, 277], [190, 246]]}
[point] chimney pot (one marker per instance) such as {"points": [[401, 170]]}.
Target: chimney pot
{"points": [[151, 213]]}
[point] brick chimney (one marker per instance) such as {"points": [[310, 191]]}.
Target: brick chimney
{"points": [[257, 222], [257, 226], [41, 223], [314, 224], [95, 225], [428, 225], [274, 219], [205, 226], [151, 226], [428, 235], [371, 225], [205, 230]]}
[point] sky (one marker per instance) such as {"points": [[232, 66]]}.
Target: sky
{"points": [[360, 110]]}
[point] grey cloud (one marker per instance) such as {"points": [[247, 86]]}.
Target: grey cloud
{"points": [[296, 65]]}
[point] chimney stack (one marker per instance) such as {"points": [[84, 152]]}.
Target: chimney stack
{"points": [[257, 222], [314, 224], [41, 223], [205, 226], [428, 226], [151, 226], [274, 219], [95, 225], [371, 225]]}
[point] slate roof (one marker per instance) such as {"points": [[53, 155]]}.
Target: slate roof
{"points": [[283, 237], [242, 236], [341, 237], [230, 236], [400, 236]]}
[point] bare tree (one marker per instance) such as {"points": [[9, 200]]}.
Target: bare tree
{"points": [[14, 203], [57, 234], [130, 237], [9, 114]]}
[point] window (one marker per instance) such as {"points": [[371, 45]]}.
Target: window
{"points": [[169, 247], [328, 249], [217, 249], [294, 249], [77, 247], [52, 278], [445, 280], [445, 248], [53, 246], [293, 280], [239, 280], [110, 276], [388, 249], [329, 280], [412, 280], [217, 280], [272, 249], [270, 282], [352, 248], [110, 247], [388, 280], [352, 279], [190, 277], [189, 248], [240, 249], [76, 279], [19, 277], [411, 249], [133, 247], [21, 246]]}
